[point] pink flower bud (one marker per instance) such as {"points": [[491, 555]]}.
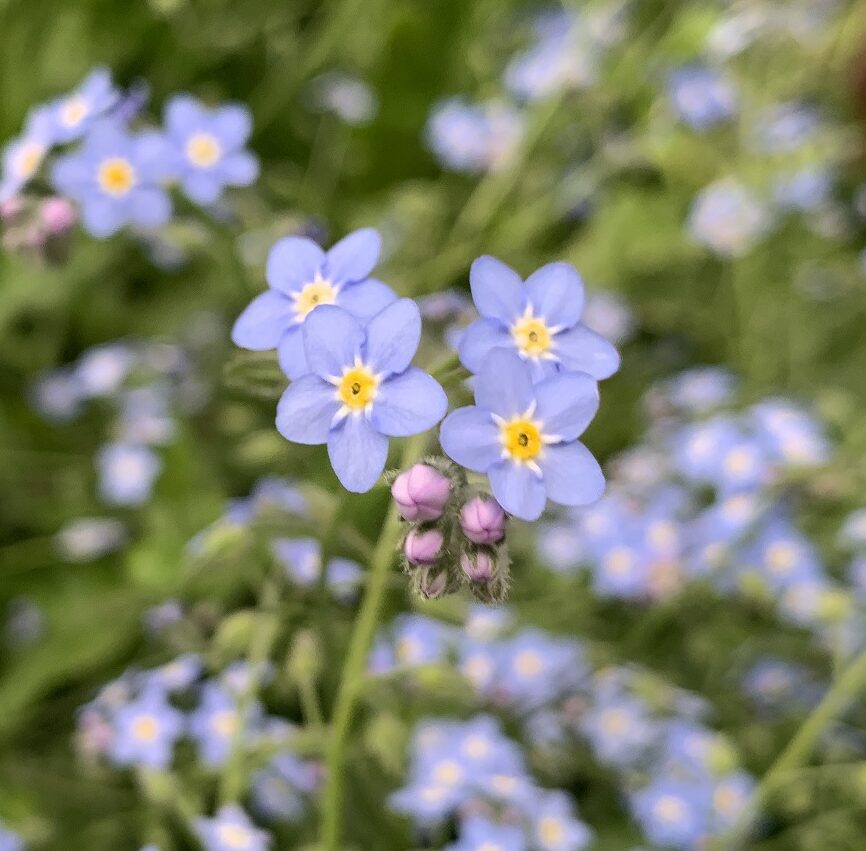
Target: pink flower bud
{"points": [[421, 492], [432, 582], [483, 521], [478, 567], [58, 215], [423, 547], [11, 208]]}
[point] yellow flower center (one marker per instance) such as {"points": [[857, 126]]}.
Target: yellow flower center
{"points": [[619, 561], [203, 150], [234, 836], [528, 663], [225, 723], [318, 291], [781, 557], [533, 338], [116, 176], [490, 846], [29, 159], [145, 728], [670, 809], [357, 388], [448, 773], [551, 830], [74, 111], [726, 800], [521, 439], [738, 462], [477, 747], [614, 721]]}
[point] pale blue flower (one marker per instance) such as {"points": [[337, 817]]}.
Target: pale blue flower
{"points": [[231, 830], [524, 436], [673, 814], [75, 113], [539, 319], [23, 157], [145, 731], [361, 390], [728, 219], [481, 834], [127, 473], [701, 96], [555, 827], [301, 278]]}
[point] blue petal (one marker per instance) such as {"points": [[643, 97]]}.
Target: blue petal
{"points": [[358, 453], [202, 187], [517, 489], [496, 289], [233, 124], [102, 217], [291, 354], [149, 208], [293, 262], [555, 292], [470, 437], [263, 321], [366, 298], [354, 256], [479, 339], [504, 384], [582, 350], [408, 403], [393, 335], [332, 340], [571, 475], [306, 410], [240, 169], [567, 402], [182, 114]]}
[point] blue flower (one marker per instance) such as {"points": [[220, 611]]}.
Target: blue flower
{"points": [[727, 218], [673, 814], [214, 724], [539, 320], [230, 830], [145, 731], [481, 834], [208, 146], [76, 113], [127, 473], [301, 278], [116, 178], [10, 841], [302, 560], [619, 729], [555, 827], [23, 157], [701, 96], [524, 437], [361, 390]]}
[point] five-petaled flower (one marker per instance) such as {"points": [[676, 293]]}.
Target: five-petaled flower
{"points": [[361, 389], [302, 277], [23, 156], [208, 146], [539, 319], [524, 436], [117, 179], [75, 113]]}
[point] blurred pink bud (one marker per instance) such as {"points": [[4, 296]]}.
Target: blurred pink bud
{"points": [[432, 582], [483, 521], [423, 547], [58, 215], [478, 567], [11, 207], [421, 492]]}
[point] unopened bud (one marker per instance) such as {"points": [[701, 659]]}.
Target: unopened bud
{"points": [[483, 521], [57, 215], [432, 582], [478, 566], [421, 492], [423, 547]]}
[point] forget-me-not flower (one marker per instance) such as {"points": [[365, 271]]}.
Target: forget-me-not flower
{"points": [[208, 146], [76, 113], [23, 156], [701, 96], [145, 731], [302, 277], [361, 390], [539, 319], [231, 830], [117, 179], [524, 436]]}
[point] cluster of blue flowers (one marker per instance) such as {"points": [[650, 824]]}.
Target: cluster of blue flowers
{"points": [[119, 175], [137, 721], [678, 777], [146, 384]]}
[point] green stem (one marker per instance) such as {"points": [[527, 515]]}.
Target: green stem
{"points": [[352, 677], [798, 750]]}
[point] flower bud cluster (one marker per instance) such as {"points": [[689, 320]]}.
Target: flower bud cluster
{"points": [[454, 537], [37, 226]]}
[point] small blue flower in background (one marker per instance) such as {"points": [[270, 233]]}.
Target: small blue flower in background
{"points": [[208, 147], [76, 113], [349, 98], [178, 674], [805, 190], [87, 538], [145, 731], [101, 371], [302, 560], [23, 157], [539, 319], [127, 473], [785, 127], [524, 437], [556, 828], [701, 96], [361, 390], [727, 218], [214, 724], [619, 728], [302, 277], [10, 841], [730, 797], [117, 179], [481, 834], [280, 789], [231, 830]]}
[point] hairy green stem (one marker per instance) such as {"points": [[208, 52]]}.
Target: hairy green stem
{"points": [[352, 678], [846, 688]]}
